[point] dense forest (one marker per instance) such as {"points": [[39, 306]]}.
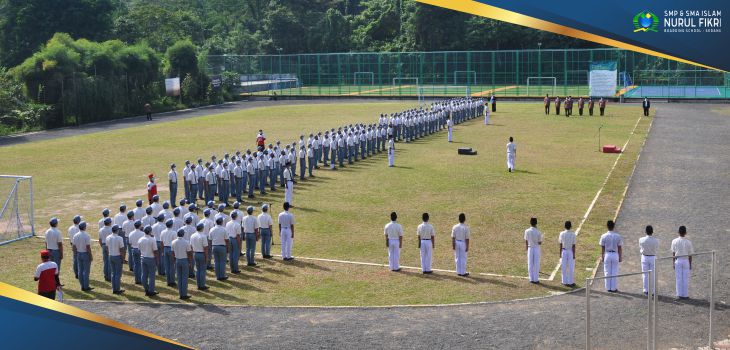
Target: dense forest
{"points": [[57, 55]]}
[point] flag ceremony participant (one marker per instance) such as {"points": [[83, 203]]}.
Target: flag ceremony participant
{"points": [[115, 246], [286, 232], [426, 243], [394, 242], [460, 235], [566, 241], [611, 255], [46, 274], [682, 251], [533, 240], [182, 252], [648, 247]]}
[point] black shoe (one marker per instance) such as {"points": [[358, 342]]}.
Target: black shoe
{"points": [[108, 279], [209, 268], [396, 270], [251, 264], [118, 292], [222, 278], [185, 297], [151, 294], [87, 289], [204, 288], [138, 283], [235, 272], [172, 284]]}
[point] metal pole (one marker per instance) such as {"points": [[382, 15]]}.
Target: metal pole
{"points": [[653, 313], [712, 294], [648, 314], [588, 314], [32, 209]]}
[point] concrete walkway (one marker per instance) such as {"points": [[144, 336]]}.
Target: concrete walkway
{"points": [[681, 179]]}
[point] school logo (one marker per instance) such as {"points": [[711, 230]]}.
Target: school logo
{"points": [[645, 21]]}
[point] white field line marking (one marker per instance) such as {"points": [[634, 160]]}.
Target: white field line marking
{"points": [[600, 190]]}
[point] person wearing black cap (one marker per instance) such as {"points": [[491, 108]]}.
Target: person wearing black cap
{"points": [[148, 251], [72, 231], [115, 245], [219, 240], [104, 232], [136, 257], [157, 229], [82, 248], [104, 215], [172, 180], [168, 235], [127, 228], [46, 273], [186, 171], [54, 242], [199, 244], [182, 252]]}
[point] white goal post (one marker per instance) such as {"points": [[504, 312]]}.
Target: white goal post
{"points": [[466, 74], [397, 81], [554, 84], [16, 208], [355, 75]]}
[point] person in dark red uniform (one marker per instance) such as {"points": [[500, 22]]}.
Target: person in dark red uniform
{"points": [[260, 141], [47, 276], [151, 188]]}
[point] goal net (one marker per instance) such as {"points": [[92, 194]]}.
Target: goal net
{"points": [[465, 77], [541, 85], [400, 81], [16, 208], [363, 78]]}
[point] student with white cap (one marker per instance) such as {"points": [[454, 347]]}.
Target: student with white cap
{"points": [[286, 232], [250, 227], [265, 225], [460, 235], [393, 241], [426, 243]]}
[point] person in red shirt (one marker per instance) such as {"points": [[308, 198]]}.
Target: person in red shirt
{"points": [[151, 188], [47, 276], [260, 140]]}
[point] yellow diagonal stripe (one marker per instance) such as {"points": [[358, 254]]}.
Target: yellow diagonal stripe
{"points": [[25, 296], [484, 10]]}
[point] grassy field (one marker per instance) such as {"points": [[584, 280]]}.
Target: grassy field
{"points": [[410, 89], [340, 214]]}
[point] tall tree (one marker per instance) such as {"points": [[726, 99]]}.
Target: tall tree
{"points": [[25, 25]]}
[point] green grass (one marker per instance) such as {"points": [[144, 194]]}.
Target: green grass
{"points": [[340, 215]]}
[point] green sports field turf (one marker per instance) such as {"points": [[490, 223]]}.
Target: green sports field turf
{"points": [[430, 90], [340, 215]]}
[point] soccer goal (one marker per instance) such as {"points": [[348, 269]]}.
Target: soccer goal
{"points": [[363, 78], [537, 84], [405, 81], [16, 213], [465, 77]]}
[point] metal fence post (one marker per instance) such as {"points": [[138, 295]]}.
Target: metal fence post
{"points": [[32, 209], [588, 314], [712, 294]]}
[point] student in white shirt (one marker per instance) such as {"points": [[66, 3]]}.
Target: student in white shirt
{"points": [[682, 250], [648, 248], [199, 244], [611, 254], [426, 243], [394, 242], [265, 226], [460, 235], [182, 252], [567, 240], [533, 240], [148, 252]]}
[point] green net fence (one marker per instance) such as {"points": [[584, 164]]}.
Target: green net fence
{"points": [[518, 73]]}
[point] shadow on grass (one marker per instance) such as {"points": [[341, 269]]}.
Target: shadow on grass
{"points": [[524, 172], [303, 264], [471, 279]]}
